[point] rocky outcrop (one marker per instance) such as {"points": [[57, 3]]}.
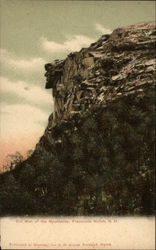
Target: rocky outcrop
{"points": [[96, 156], [115, 66]]}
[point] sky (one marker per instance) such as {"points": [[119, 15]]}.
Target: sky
{"points": [[35, 32]]}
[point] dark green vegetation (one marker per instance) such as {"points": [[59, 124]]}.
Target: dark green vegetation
{"points": [[100, 164]]}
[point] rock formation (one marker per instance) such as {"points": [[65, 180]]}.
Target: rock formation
{"points": [[96, 156], [115, 66]]}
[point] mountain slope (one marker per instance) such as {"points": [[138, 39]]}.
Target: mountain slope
{"points": [[96, 156]]}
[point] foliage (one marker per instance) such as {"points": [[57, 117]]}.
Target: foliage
{"points": [[103, 167], [12, 160]]}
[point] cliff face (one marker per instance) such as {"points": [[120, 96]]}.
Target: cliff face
{"points": [[96, 156], [115, 66]]}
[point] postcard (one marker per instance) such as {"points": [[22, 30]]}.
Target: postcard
{"points": [[77, 127]]}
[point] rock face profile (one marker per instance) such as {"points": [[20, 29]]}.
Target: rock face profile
{"points": [[96, 156], [117, 65]]}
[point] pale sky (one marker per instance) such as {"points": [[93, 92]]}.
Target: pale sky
{"points": [[35, 32]]}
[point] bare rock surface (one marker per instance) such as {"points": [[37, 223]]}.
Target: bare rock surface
{"points": [[117, 65]]}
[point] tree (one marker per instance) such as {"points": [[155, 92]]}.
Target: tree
{"points": [[29, 153], [12, 160]]}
